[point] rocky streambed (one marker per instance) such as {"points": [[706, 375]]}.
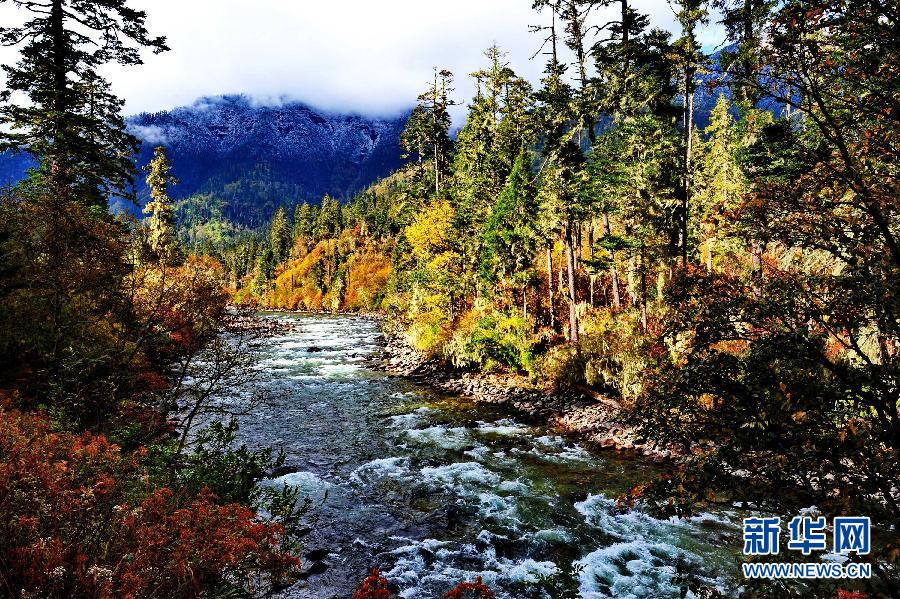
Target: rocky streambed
{"points": [[405, 475]]}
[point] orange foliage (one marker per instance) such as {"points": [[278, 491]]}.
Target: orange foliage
{"points": [[312, 282], [369, 274], [76, 521]]}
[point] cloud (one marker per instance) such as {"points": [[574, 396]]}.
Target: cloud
{"points": [[366, 56], [151, 134]]}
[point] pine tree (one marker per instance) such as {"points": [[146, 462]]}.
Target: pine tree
{"points": [[497, 127], [690, 59], [744, 20], [622, 89], [305, 221], [427, 131], [160, 226], [510, 236], [329, 220], [280, 235], [70, 120]]}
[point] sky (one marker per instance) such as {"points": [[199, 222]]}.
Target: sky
{"points": [[368, 56]]}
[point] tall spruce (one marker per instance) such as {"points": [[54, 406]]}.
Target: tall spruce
{"points": [[690, 60], [427, 133], [69, 120], [280, 237]]}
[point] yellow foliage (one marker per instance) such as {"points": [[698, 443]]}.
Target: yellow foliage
{"points": [[428, 233]]}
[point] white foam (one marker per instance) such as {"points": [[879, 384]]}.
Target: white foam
{"points": [[636, 569], [514, 486], [310, 484], [461, 474], [506, 427], [554, 535], [441, 436], [381, 468]]}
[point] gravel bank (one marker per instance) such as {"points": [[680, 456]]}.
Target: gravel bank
{"points": [[576, 411]]}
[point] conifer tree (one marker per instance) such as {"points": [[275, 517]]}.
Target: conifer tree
{"points": [[487, 146], [720, 182], [329, 219], [690, 59], [510, 236], [69, 120], [161, 242], [742, 61], [427, 132], [304, 221], [621, 90], [280, 235]]}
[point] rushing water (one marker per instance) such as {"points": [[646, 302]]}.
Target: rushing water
{"points": [[434, 490]]}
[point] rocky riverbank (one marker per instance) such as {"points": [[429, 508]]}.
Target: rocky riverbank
{"points": [[576, 411], [250, 324]]}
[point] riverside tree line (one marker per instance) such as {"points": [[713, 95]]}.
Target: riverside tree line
{"points": [[734, 286]]}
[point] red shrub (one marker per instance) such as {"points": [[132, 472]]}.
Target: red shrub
{"points": [[78, 520], [477, 590], [842, 594], [374, 586]]}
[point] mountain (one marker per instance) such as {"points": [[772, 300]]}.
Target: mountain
{"points": [[253, 158], [257, 157]]}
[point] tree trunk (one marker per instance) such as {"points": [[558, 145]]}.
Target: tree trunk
{"points": [[59, 168], [688, 127], [756, 257], [550, 286], [570, 264], [591, 255], [613, 275], [643, 291]]}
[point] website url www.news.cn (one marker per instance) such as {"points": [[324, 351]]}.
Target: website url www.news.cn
{"points": [[806, 570]]}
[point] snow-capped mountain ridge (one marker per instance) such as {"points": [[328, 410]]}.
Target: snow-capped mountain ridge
{"points": [[256, 157]]}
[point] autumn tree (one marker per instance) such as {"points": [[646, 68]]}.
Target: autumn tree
{"points": [[719, 185], [788, 384]]}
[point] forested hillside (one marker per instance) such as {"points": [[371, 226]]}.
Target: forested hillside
{"points": [[733, 286]]}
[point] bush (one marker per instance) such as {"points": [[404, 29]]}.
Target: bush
{"points": [[374, 586], [612, 352], [491, 339], [79, 518]]}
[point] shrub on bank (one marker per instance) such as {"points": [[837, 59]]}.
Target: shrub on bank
{"points": [[488, 339], [613, 352], [80, 518]]}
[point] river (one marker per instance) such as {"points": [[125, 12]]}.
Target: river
{"points": [[434, 490]]}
